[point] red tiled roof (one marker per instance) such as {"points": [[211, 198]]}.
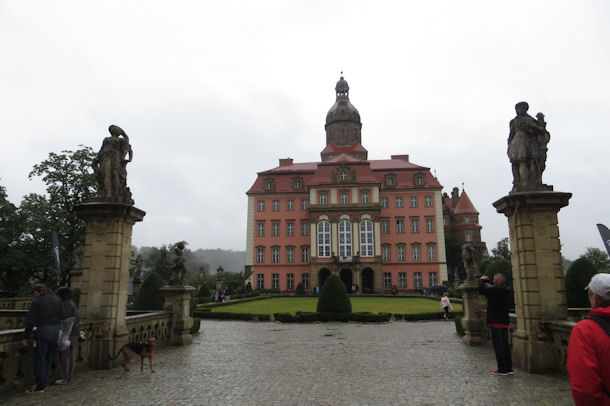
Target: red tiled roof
{"points": [[367, 171], [464, 205], [355, 147]]}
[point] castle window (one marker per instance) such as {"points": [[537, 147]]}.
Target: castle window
{"points": [[290, 281], [417, 280], [304, 204], [416, 251], [305, 255], [260, 229], [345, 239], [297, 183], [305, 280], [290, 229], [260, 281], [428, 201], [429, 225], [364, 196], [260, 205], [344, 197], [387, 280], [398, 202], [269, 184], [275, 229], [433, 278], [289, 254], [275, 205], [413, 201], [275, 281], [415, 225], [304, 228], [402, 279], [385, 226], [401, 252], [366, 238], [386, 252], [419, 179], [275, 254], [384, 203], [323, 198], [260, 255], [400, 226], [343, 176], [390, 180], [324, 239], [431, 252], [290, 205]]}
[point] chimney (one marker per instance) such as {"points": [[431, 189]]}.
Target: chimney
{"points": [[403, 157], [285, 161], [455, 196]]}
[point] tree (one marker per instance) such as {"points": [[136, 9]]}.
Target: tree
{"points": [[578, 276], [333, 297], [502, 249], [150, 296], [26, 235], [598, 258], [159, 260]]}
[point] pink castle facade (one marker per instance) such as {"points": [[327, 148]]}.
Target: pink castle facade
{"points": [[377, 224]]}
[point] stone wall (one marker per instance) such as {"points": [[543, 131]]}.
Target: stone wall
{"points": [[15, 303]]}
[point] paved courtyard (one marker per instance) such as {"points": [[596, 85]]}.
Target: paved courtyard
{"points": [[242, 363]]}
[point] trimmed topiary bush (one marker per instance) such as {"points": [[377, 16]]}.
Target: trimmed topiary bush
{"points": [[150, 297], [300, 289], [578, 276], [333, 298]]}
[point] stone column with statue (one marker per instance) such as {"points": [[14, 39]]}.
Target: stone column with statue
{"points": [[219, 278], [471, 321], [178, 299], [103, 277], [531, 208]]}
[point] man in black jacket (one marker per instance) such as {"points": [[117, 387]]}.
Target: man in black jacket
{"points": [[498, 301], [46, 313]]}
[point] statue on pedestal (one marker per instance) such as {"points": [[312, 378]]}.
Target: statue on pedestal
{"points": [[110, 167], [469, 259], [179, 269], [527, 147], [138, 271], [219, 272]]}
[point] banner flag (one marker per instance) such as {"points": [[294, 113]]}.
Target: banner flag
{"points": [[56, 256], [603, 230]]}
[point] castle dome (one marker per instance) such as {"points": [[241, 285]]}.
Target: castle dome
{"points": [[342, 110]]}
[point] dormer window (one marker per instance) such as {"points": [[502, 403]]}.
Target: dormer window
{"points": [[269, 184], [390, 180], [343, 176], [419, 179], [297, 183]]}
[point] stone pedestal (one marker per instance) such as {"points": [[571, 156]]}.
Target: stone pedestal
{"points": [[104, 280], [537, 273], [471, 321], [136, 284], [178, 302], [219, 283]]}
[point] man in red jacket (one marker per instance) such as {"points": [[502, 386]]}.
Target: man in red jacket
{"points": [[589, 348]]}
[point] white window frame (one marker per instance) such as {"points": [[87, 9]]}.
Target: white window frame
{"points": [[260, 229], [304, 254], [398, 202], [260, 255], [304, 228], [387, 280], [275, 205], [275, 229], [400, 226], [365, 196], [385, 226], [290, 228], [413, 201], [289, 281], [305, 280], [323, 239], [431, 252], [260, 205], [417, 280], [345, 240], [385, 203], [290, 205], [402, 279], [275, 281], [304, 204], [260, 281], [275, 255], [433, 278], [429, 225], [401, 252], [416, 252], [366, 238], [427, 201], [415, 225], [344, 197], [386, 253], [290, 254]]}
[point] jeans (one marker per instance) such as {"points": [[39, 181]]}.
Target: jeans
{"points": [[499, 337], [44, 353]]}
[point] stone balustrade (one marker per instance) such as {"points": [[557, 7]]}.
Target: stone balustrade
{"points": [[15, 303], [12, 319], [146, 325], [560, 332], [16, 368]]}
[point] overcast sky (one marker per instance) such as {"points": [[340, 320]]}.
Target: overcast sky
{"points": [[212, 92]]}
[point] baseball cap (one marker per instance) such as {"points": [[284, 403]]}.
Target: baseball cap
{"points": [[600, 285]]}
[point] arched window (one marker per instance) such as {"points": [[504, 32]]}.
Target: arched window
{"points": [[345, 240], [324, 239], [366, 238]]}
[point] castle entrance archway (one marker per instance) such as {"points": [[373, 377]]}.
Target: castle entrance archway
{"points": [[347, 277], [323, 275], [367, 280]]}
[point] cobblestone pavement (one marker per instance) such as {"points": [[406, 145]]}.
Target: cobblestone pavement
{"points": [[242, 363]]}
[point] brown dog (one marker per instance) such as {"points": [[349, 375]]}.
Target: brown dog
{"points": [[143, 349]]}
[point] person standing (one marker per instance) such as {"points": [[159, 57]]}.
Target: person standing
{"points": [[70, 330], [46, 313], [445, 305], [589, 348], [498, 300]]}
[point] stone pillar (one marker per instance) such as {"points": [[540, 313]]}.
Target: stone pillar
{"points": [[136, 284], [219, 282], [105, 274], [538, 278], [471, 321], [178, 302]]}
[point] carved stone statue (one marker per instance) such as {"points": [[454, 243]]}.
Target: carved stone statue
{"points": [[469, 259], [527, 147], [138, 273], [110, 167], [179, 269], [219, 272]]}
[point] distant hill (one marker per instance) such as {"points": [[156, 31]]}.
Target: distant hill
{"points": [[231, 261]]}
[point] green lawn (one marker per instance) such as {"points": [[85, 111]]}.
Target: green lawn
{"points": [[404, 305]]}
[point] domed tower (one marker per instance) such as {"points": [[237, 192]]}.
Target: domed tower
{"points": [[343, 127]]}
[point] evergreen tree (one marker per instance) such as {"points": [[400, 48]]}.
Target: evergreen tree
{"points": [[333, 297], [150, 297], [578, 276]]}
